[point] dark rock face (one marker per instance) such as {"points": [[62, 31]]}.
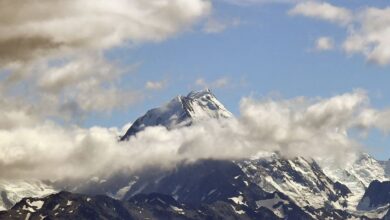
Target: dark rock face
{"points": [[201, 182], [341, 189], [65, 205], [211, 181], [376, 195]]}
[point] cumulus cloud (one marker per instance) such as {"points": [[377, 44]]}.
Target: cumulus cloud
{"points": [[324, 43], [40, 28], [371, 35], [323, 11], [298, 127]]}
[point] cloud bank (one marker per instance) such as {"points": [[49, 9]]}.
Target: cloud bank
{"points": [[297, 127]]}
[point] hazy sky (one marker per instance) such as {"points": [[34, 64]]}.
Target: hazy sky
{"points": [[104, 63]]}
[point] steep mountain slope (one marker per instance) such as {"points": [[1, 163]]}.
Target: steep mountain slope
{"points": [[357, 175], [376, 195], [13, 191], [181, 111], [301, 179], [308, 183], [212, 181], [376, 200]]}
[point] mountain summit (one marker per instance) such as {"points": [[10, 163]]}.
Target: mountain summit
{"points": [[181, 111]]}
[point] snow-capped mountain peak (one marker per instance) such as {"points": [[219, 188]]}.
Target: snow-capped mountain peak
{"points": [[204, 104], [181, 111]]}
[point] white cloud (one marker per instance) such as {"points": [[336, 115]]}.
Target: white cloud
{"points": [[38, 28], [32, 145], [53, 51], [324, 43], [213, 25], [156, 85], [368, 29], [371, 35], [323, 11], [297, 127], [218, 83], [70, 88]]}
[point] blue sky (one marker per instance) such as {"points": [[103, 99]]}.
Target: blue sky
{"points": [[269, 52]]}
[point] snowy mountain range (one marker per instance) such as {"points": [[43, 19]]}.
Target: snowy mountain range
{"points": [[267, 187]]}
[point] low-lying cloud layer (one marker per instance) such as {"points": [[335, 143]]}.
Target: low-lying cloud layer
{"points": [[297, 127]]}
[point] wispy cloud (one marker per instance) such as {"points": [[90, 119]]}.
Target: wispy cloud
{"points": [[214, 25], [324, 44], [218, 83], [156, 85], [323, 11]]}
